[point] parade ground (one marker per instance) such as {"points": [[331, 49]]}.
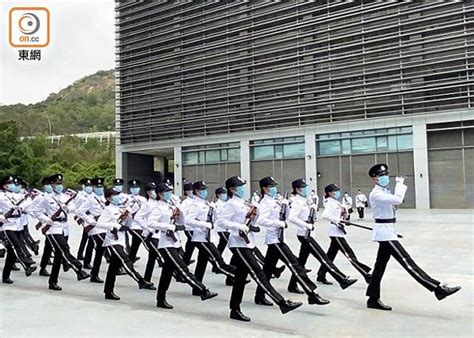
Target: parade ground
{"points": [[440, 241]]}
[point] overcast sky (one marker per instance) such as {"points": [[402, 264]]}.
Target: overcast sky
{"points": [[82, 42]]}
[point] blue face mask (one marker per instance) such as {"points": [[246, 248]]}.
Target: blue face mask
{"points": [[118, 188], [58, 188], [337, 194], [11, 187], [135, 191], [240, 191], [223, 197], [153, 195], [48, 188], [304, 192], [88, 189], [167, 196], [203, 194], [17, 188], [384, 181], [99, 191], [116, 200], [273, 191]]}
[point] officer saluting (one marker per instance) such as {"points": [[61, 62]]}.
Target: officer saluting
{"points": [[382, 202]]}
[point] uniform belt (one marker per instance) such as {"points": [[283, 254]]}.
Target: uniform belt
{"points": [[15, 216], [386, 220], [96, 218], [64, 219]]}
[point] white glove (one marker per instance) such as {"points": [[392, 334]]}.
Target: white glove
{"points": [[207, 225], [3, 219], [116, 226], [50, 221], [400, 179], [243, 227], [145, 233], [310, 226], [171, 227], [281, 224], [65, 208]]}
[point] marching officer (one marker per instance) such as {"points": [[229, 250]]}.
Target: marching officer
{"points": [[133, 204], [116, 221], [11, 212], [234, 217], [382, 203], [52, 212], [184, 207], [303, 216], [361, 203], [89, 212], [347, 203], [200, 217], [271, 214], [83, 195], [169, 244], [336, 212], [221, 199]]}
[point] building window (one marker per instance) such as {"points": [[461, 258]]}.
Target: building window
{"points": [[211, 153], [365, 141], [278, 148]]}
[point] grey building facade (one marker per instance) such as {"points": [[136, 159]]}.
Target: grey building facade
{"points": [[321, 90]]}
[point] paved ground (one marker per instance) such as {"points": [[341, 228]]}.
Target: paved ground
{"points": [[440, 241]]}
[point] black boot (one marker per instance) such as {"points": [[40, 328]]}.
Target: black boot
{"points": [[323, 280], [307, 270], [208, 294], [262, 301], [55, 287], [2, 253], [314, 298], [196, 292], [238, 315], [29, 270], [15, 268], [43, 272], [162, 303], [295, 290], [66, 267], [287, 306], [111, 296], [121, 272], [96, 279], [377, 304], [87, 266], [7, 281], [346, 282], [82, 275], [443, 291], [278, 271], [143, 284], [367, 278]]}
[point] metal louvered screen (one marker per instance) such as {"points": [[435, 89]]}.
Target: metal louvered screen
{"points": [[187, 69]]}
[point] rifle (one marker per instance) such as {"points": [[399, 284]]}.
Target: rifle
{"points": [[248, 220], [58, 212], [174, 217], [120, 220], [366, 227], [10, 212], [210, 219], [283, 212], [311, 220]]}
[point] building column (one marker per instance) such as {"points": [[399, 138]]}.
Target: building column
{"points": [[310, 160], [245, 165], [120, 164], [420, 159], [178, 171]]}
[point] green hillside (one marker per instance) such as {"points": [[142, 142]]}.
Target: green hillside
{"points": [[87, 105]]}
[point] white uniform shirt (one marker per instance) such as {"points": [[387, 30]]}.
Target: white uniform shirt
{"points": [[333, 213], [347, 201], [219, 206], [232, 216], [23, 219], [141, 218], [196, 217], [313, 199], [360, 200], [299, 213], [184, 207], [160, 219], [268, 216], [7, 201], [382, 202], [47, 206], [108, 221], [91, 207], [133, 204]]}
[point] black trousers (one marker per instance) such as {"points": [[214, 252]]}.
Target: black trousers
{"points": [[395, 249], [223, 239], [360, 210], [189, 247], [340, 243], [47, 251], [310, 246], [281, 251], [153, 256], [259, 255], [174, 261], [118, 259], [98, 241], [82, 244], [89, 251], [15, 250], [245, 262], [209, 252], [135, 245], [61, 252], [28, 239]]}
